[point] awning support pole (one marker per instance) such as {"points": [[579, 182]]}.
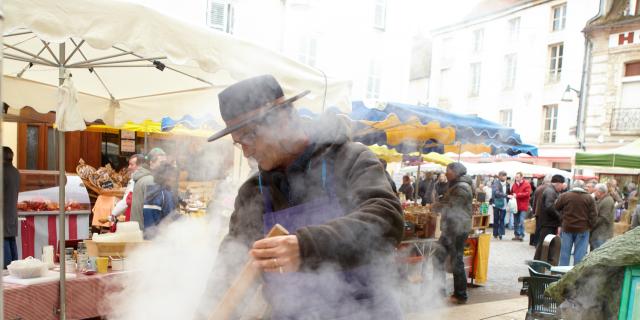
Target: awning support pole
{"points": [[62, 198]]}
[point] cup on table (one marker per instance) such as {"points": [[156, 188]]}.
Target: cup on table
{"points": [[91, 264], [47, 256], [102, 264], [117, 264], [70, 266]]}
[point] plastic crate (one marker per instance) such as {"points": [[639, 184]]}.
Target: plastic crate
{"points": [[630, 299]]}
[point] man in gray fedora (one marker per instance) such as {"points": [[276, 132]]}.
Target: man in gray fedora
{"points": [[332, 196]]}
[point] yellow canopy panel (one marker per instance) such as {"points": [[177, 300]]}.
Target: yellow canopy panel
{"points": [[391, 155], [398, 131]]}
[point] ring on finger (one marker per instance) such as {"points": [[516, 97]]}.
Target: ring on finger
{"points": [[281, 270], [275, 262]]}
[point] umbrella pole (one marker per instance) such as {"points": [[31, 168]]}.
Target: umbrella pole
{"points": [[1, 184], [418, 173], [146, 142], [61, 196]]}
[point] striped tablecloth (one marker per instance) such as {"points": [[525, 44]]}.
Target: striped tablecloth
{"points": [[85, 298]]}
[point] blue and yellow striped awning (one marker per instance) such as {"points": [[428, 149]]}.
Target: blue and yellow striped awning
{"points": [[391, 155]]}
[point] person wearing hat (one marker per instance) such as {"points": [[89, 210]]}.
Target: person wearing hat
{"points": [[548, 220], [331, 195], [455, 225], [142, 180]]}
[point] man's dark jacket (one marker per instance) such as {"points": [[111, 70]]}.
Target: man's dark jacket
{"points": [[456, 207], [373, 222], [548, 216], [10, 210], [578, 211], [537, 199]]}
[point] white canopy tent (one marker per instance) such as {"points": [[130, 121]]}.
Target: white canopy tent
{"points": [[510, 167], [513, 167], [131, 63]]}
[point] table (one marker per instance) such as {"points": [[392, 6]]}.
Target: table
{"points": [[85, 297], [425, 247], [413, 254]]}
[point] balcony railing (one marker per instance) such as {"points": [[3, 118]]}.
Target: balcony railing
{"points": [[626, 120]]}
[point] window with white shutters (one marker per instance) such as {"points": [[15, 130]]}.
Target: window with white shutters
{"points": [[308, 48], [445, 86], [514, 29], [559, 17], [373, 80], [511, 64], [447, 53], [220, 15], [474, 87], [626, 114], [631, 8], [477, 39], [555, 62], [505, 117], [380, 14], [550, 126]]}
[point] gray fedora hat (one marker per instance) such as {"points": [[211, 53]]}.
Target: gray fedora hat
{"points": [[250, 100]]}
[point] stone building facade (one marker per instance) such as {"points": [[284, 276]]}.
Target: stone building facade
{"points": [[612, 88]]}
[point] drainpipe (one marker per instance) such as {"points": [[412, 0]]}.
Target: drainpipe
{"points": [[283, 25], [584, 81]]}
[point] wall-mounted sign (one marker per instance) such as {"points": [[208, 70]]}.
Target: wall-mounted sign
{"points": [[124, 134], [624, 38], [127, 146]]}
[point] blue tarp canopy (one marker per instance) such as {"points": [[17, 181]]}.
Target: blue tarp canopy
{"points": [[406, 127], [470, 131]]}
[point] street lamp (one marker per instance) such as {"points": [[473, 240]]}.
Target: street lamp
{"points": [[566, 96]]}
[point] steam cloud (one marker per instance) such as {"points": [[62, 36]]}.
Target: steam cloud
{"points": [[167, 279]]}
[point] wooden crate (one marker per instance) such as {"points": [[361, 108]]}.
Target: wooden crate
{"points": [[620, 228], [110, 249], [479, 222]]}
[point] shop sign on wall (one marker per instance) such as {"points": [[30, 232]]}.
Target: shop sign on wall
{"points": [[130, 135], [128, 146], [624, 38]]}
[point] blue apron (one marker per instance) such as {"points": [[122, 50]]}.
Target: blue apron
{"points": [[322, 294]]}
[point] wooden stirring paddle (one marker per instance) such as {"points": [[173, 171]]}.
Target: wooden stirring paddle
{"points": [[242, 283]]}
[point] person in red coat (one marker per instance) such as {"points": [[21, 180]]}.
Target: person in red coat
{"points": [[521, 190]]}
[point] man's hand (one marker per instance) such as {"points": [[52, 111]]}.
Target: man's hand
{"points": [[277, 254]]}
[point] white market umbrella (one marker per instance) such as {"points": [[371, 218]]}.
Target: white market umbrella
{"points": [[131, 63], [513, 167]]}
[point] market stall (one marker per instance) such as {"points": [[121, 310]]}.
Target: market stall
{"points": [[622, 164], [417, 129], [38, 211], [513, 167], [121, 70], [422, 230]]}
